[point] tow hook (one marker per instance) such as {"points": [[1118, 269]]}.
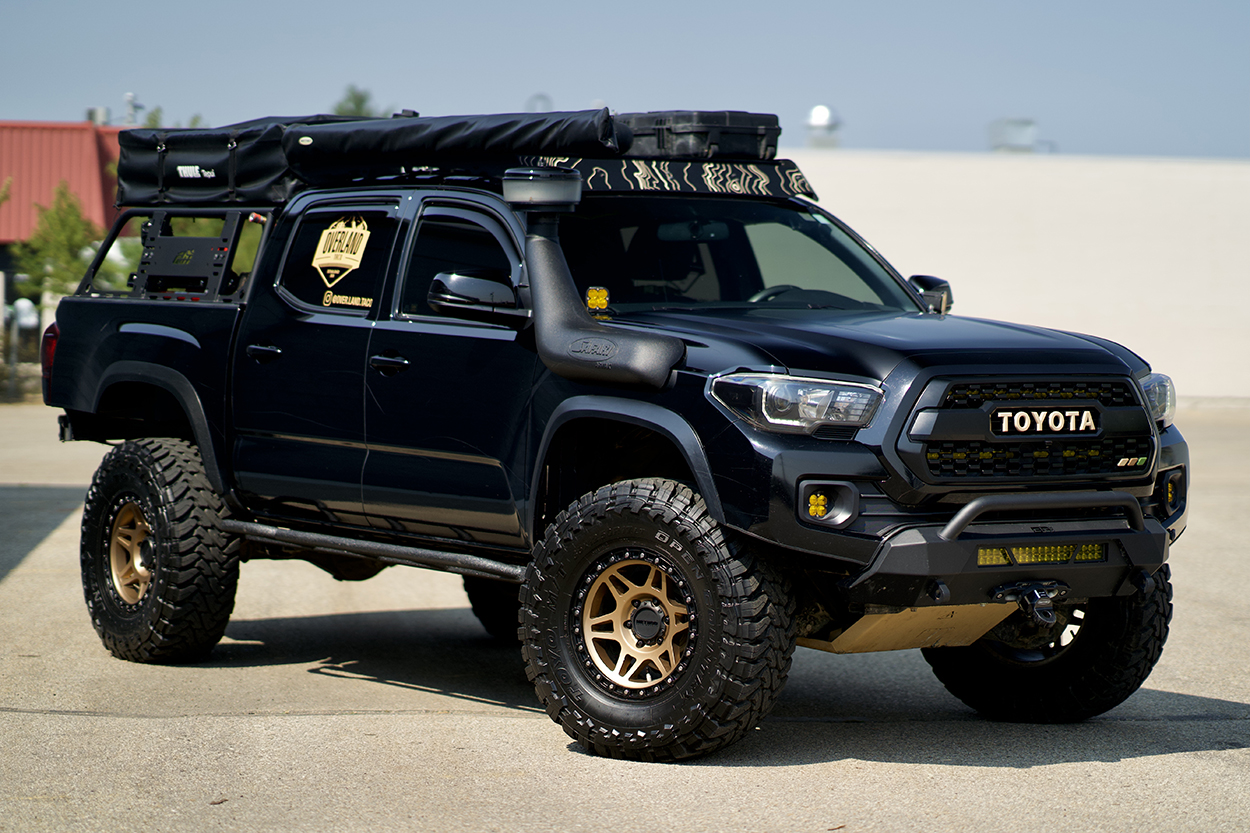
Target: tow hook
{"points": [[1036, 598], [1143, 581]]}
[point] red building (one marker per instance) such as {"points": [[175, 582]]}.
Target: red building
{"points": [[38, 155]]}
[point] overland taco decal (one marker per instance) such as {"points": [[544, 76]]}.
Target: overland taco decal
{"points": [[340, 249]]}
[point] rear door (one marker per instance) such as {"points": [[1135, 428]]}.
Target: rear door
{"points": [[447, 401], [300, 363]]}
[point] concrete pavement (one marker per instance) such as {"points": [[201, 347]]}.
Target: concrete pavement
{"points": [[382, 705]]}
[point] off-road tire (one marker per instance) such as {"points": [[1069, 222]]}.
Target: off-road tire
{"points": [[180, 609], [1111, 655], [496, 605], [727, 661]]}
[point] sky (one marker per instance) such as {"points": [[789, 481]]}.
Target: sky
{"points": [[1099, 77]]}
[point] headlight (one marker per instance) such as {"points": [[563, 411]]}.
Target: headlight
{"points": [[793, 405], [1160, 398]]}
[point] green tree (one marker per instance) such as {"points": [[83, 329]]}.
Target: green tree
{"points": [[156, 116], [59, 251], [4, 190], [356, 102]]}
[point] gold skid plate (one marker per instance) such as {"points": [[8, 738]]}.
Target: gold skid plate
{"points": [[917, 627]]}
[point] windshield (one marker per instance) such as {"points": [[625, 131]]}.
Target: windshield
{"points": [[670, 252]]}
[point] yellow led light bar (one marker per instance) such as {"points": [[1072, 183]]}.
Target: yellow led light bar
{"points": [[1053, 554], [992, 557]]}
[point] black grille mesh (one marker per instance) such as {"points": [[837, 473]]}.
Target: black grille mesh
{"points": [[1041, 457], [973, 395], [1038, 459]]}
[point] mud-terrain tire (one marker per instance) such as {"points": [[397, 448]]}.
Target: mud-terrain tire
{"points": [[158, 573], [496, 605], [1077, 675], [648, 632]]}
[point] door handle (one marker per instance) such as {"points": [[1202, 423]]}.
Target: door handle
{"points": [[388, 365], [262, 353]]}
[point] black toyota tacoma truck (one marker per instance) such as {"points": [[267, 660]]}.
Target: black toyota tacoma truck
{"points": [[665, 415]]}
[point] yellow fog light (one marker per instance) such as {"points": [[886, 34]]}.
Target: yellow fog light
{"points": [[596, 298], [817, 505], [1174, 492]]}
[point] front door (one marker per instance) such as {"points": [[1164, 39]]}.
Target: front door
{"points": [[447, 400]]}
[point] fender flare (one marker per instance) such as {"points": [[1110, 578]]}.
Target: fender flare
{"points": [[630, 411], [183, 392]]}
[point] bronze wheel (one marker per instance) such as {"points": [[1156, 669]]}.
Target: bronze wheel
{"points": [[129, 559], [648, 632], [635, 622], [158, 572]]}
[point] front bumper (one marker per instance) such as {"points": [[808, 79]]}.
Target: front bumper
{"points": [[920, 567]]}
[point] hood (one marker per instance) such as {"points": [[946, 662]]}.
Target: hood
{"points": [[872, 345]]}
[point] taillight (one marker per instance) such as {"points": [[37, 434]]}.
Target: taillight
{"points": [[47, 354]]}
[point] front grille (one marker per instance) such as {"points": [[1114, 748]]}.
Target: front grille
{"points": [[975, 394], [959, 457]]}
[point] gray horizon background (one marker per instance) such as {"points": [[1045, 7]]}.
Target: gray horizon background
{"points": [[1108, 78]]}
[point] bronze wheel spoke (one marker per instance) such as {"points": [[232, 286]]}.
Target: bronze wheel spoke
{"points": [[131, 577], [605, 619]]}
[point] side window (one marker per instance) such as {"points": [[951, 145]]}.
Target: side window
{"points": [[338, 258], [449, 241]]}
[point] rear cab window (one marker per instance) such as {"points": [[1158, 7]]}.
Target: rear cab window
{"points": [[338, 257]]}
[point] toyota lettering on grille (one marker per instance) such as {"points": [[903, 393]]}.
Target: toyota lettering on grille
{"points": [[1018, 421]]}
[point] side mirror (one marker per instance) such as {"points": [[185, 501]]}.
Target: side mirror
{"points": [[482, 295], [936, 293]]}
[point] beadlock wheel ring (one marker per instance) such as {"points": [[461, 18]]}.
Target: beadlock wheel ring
{"points": [[128, 563], [634, 623]]}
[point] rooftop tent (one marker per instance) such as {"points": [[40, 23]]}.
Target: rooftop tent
{"points": [[266, 160], [330, 152]]}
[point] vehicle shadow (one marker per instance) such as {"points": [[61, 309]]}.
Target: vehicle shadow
{"points": [[29, 514], [442, 651], [870, 707], [889, 708], [1180, 723]]}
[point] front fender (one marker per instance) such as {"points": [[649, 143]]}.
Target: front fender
{"points": [[631, 412]]}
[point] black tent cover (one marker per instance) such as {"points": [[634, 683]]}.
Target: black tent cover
{"points": [[331, 151], [265, 161]]}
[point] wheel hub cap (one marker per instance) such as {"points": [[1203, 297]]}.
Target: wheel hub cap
{"points": [[648, 623]]}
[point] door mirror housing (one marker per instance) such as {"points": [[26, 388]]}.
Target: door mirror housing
{"points": [[477, 294], [936, 293]]}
